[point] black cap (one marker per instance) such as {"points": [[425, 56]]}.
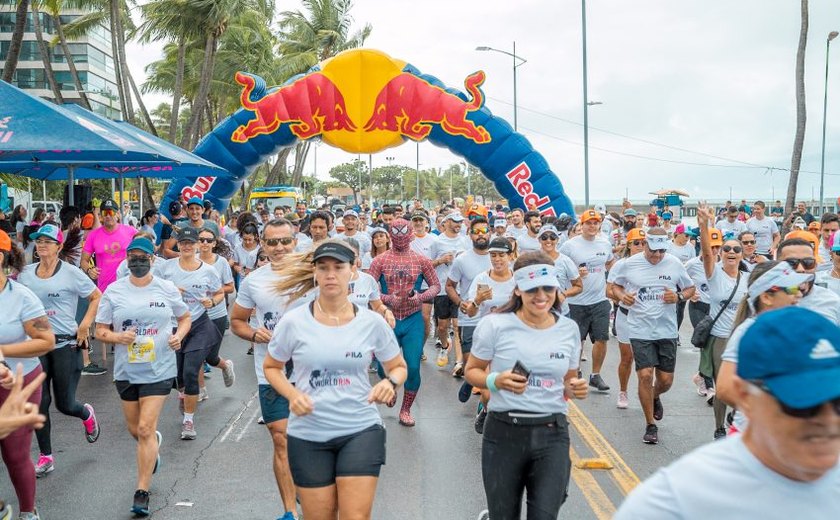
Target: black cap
{"points": [[419, 214], [174, 207], [339, 252], [188, 234], [208, 204], [108, 204], [501, 245]]}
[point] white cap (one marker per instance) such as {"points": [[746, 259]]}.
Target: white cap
{"points": [[351, 213], [500, 222], [548, 228], [539, 275], [657, 241], [782, 275], [454, 216]]}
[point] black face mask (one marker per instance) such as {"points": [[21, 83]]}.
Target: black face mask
{"points": [[139, 267]]}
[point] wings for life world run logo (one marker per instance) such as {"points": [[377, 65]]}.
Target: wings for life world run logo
{"points": [[328, 378], [651, 294], [141, 328]]}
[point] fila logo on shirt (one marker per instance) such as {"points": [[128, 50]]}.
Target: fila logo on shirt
{"points": [[53, 295], [664, 277], [161, 305], [556, 355], [354, 355], [824, 350]]}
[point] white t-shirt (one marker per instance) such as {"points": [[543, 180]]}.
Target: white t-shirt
{"points": [[331, 367], [245, 258], [150, 311], [831, 283], [502, 292], [684, 253], [526, 243], [763, 230], [366, 261], [256, 291], [21, 305], [823, 302], [304, 243], [503, 339], [226, 276], [720, 287], [736, 228], [364, 290], [443, 245], [362, 238], [465, 268], [567, 272], [595, 254], [744, 488], [650, 317], [423, 245], [123, 272], [195, 286], [697, 273], [59, 294], [517, 232]]}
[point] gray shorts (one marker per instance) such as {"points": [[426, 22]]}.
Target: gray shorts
{"points": [[592, 320], [466, 334], [657, 353]]}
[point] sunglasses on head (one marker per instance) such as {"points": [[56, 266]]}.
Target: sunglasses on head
{"points": [[727, 249], [272, 242], [548, 236], [547, 289], [205, 240], [799, 413], [793, 291], [480, 230], [807, 263], [748, 242]]}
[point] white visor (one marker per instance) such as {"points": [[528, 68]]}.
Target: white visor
{"points": [[539, 275]]}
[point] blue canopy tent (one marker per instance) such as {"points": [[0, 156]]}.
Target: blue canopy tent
{"points": [[44, 141]]}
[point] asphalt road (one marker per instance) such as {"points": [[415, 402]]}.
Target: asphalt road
{"points": [[432, 473]]}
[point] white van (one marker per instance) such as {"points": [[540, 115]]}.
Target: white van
{"points": [[50, 206]]}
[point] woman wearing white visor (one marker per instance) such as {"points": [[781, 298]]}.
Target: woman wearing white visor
{"points": [[532, 352]]}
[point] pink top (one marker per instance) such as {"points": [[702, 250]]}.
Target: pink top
{"points": [[109, 248]]}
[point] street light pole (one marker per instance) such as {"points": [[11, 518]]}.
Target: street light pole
{"points": [[585, 110], [518, 61], [831, 36], [417, 175]]}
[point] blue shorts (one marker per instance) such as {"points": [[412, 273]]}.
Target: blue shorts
{"points": [[274, 406]]}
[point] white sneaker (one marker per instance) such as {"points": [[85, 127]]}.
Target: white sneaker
{"points": [[623, 402], [700, 382], [202, 394], [443, 357], [228, 374]]}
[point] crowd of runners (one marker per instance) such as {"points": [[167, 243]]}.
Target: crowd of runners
{"points": [[336, 308]]}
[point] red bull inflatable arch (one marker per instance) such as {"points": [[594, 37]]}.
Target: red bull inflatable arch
{"points": [[364, 101]]}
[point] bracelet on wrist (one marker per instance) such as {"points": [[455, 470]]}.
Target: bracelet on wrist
{"points": [[490, 382]]}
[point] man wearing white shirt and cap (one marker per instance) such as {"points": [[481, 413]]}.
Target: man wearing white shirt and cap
{"points": [[785, 465], [351, 230], [499, 227], [650, 285]]}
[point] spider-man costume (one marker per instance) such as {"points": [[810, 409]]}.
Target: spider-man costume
{"points": [[400, 273]]}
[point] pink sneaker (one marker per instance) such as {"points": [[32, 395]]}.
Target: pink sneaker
{"points": [[700, 383], [45, 465], [91, 425]]}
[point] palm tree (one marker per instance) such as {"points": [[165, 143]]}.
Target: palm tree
{"points": [[53, 8], [13, 55], [311, 37], [46, 55], [799, 139]]}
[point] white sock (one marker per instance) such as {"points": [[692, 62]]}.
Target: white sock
{"points": [[188, 417]]}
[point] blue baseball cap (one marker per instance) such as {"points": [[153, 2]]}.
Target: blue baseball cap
{"points": [[196, 200], [800, 365], [143, 244], [50, 231]]}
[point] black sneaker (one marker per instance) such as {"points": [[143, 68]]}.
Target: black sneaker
{"points": [[658, 410], [480, 418], [92, 369], [651, 434], [720, 433], [141, 503], [596, 382], [465, 392]]}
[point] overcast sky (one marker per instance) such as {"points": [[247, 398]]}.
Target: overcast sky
{"points": [[715, 77]]}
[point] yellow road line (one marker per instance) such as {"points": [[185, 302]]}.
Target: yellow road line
{"points": [[623, 475], [601, 505]]}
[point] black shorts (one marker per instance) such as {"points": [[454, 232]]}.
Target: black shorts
{"points": [[445, 309], [658, 353], [466, 334], [135, 391], [318, 464], [592, 320], [274, 407]]}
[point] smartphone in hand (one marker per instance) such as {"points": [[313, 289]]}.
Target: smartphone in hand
{"points": [[520, 369]]}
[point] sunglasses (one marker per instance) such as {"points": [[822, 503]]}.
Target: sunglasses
{"points": [[727, 249], [748, 242], [799, 413], [272, 242], [547, 289], [206, 240], [108, 212], [480, 230], [659, 251], [807, 263], [262, 258], [548, 236], [637, 242]]}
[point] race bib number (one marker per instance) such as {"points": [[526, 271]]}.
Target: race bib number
{"points": [[142, 350]]}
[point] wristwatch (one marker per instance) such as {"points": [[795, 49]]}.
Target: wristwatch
{"points": [[394, 383], [680, 297]]}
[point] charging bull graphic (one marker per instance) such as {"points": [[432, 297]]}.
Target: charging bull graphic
{"points": [[363, 102]]}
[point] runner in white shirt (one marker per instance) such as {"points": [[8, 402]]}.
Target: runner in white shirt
{"points": [[698, 308], [766, 232], [351, 230], [257, 295], [785, 465], [593, 255], [729, 224], [635, 244], [829, 225], [516, 223], [499, 227], [336, 435], [528, 241], [651, 284], [830, 279], [465, 268], [571, 283], [446, 247], [422, 243]]}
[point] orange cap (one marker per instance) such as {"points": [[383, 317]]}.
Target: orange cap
{"points": [[715, 237], [590, 214], [87, 221], [810, 238], [814, 226], [5, 241], [636, 234]]}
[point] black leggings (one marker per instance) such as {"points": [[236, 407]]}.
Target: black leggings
{"points": [[194, 350], [517, 458], [213, 358], [63, 367], [680, 313]]}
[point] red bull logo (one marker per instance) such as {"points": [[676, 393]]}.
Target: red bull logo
{"points": [[519, 179], [198, 189], [410, 105], [312, 105]]}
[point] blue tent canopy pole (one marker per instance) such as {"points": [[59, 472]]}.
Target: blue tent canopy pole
{"points": [[71, 192]]}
